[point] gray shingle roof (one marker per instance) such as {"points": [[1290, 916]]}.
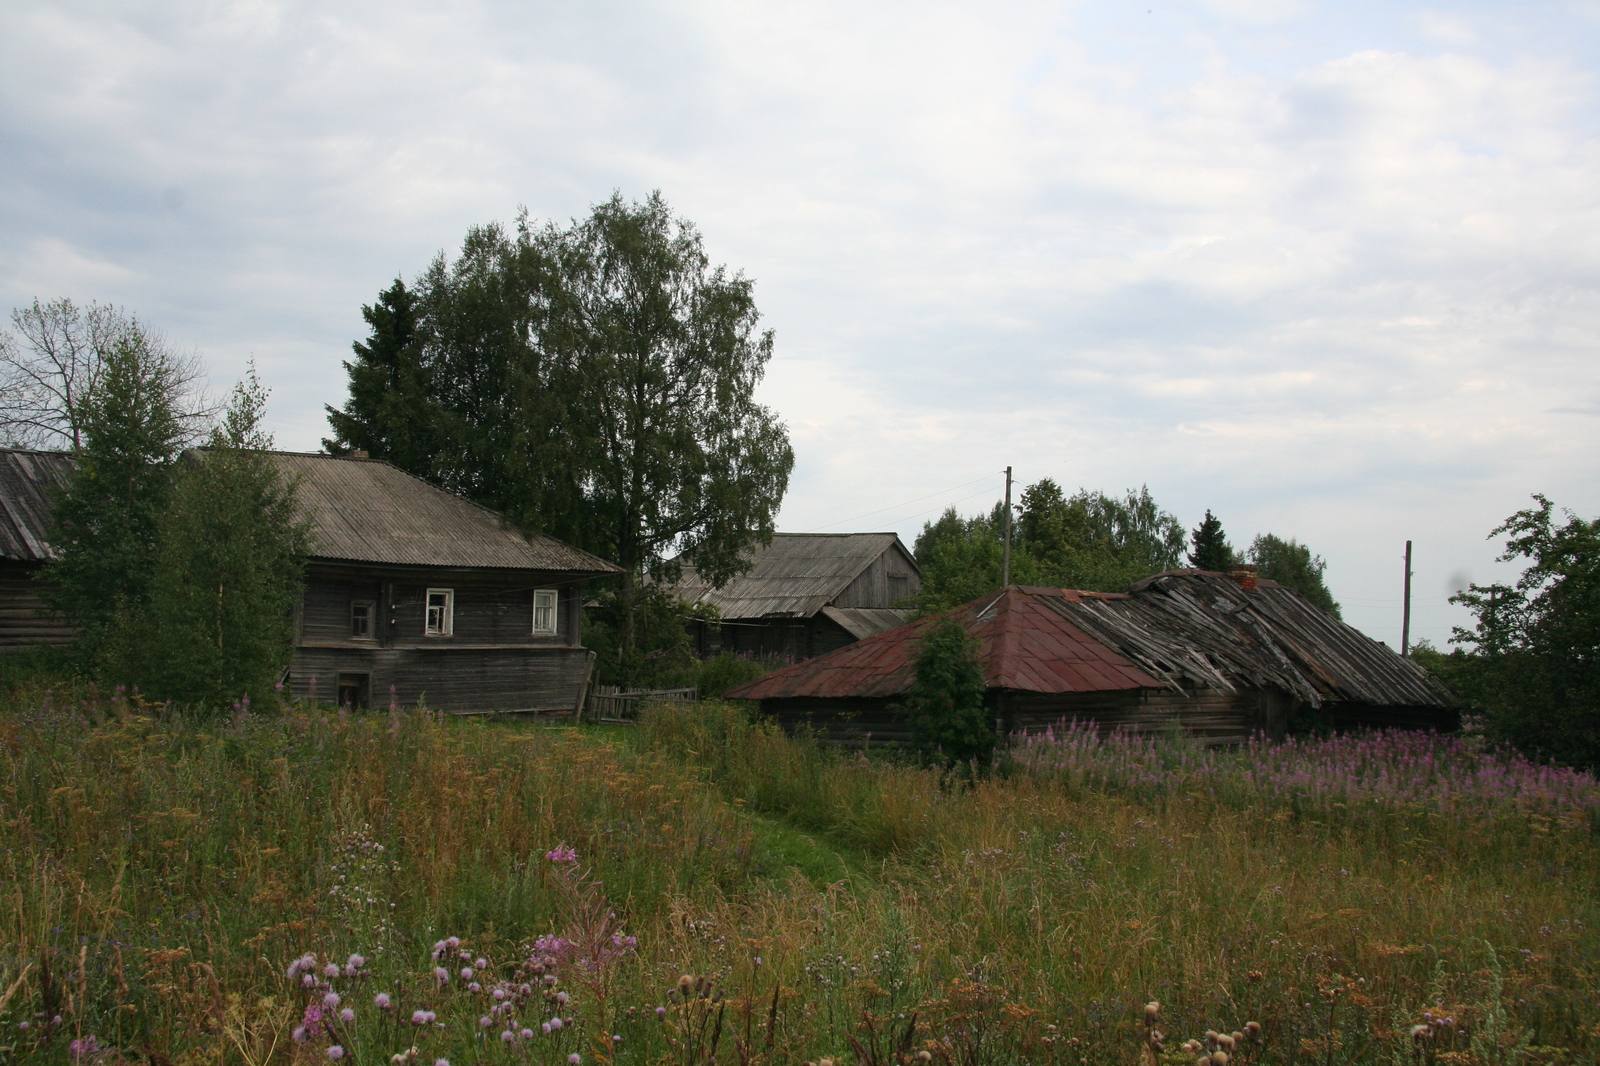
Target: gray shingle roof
{"points": [[365, 510], [796, 575], [27, 481]]}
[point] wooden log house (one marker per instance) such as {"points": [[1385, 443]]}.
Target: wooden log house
{"points": [[805, 594], [415, 595], [28, 481], [1222, 657]]}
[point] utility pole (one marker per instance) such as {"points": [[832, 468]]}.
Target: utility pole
{"points": [[1005, 558], [1405, 612]]}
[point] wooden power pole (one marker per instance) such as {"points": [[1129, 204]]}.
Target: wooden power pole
{"points": [[1405, 610], [1005, 557]]}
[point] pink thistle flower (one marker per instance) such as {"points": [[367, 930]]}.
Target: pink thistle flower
{"points": [[299, 1034], [475, 987], [562, 998], [381, 1001], [481, 963], [574, 1058], [419, 1017], [555, 1023], [545, 1026], [336, 1053], [499, 993], [485, 1022], [308, 981], [347, 1016], [331, 970], [442, 974], [527, 1034], [331, 1000], [441, 1062], [661, 1012], [508, 1036], [466, 973], [452, 942]]}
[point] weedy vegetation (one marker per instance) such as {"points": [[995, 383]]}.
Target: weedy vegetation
{"points": [[303, 885]]}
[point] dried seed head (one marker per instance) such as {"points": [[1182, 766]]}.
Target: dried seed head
{"points": [[1237, 1036], [924, 1056], [824, 1062], [1219, 1058], [1211, 1039], [1253, 1030], [685, 983], [1419, 1032], [1226, 1042], [1193, 1047], [1152, 1011]]}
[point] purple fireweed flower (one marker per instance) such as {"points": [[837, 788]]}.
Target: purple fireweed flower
{"points": [[84, 1046], [564, 855], [381, 1001]]}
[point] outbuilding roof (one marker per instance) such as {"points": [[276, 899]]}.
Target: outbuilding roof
{"points": [[794, 577], [1023, 644], [1178, 630], [369, 511], [28, 480]]}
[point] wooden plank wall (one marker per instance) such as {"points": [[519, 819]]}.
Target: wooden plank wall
{"points": [[486, 612], [872, 588], [25, 621], [449, 679]]}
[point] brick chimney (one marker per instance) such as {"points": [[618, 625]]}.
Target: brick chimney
{"points": [[1245, 576]]}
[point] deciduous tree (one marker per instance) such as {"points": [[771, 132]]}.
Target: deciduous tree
{"points": [[1291, 564]]}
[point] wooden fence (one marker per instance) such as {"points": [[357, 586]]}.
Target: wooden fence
{"points": [[612, 703]]}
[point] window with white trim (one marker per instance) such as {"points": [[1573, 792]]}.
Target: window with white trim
{"points": [[441, 612], [544, 611]]}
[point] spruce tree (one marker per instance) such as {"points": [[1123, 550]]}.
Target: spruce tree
{"points": [[1211, 550], [105, 520], [947, 702], [219, 625]]}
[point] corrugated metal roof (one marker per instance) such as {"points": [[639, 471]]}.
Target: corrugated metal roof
{"points": [[368, 511], [795, 576], [1023, 645], [28, 480], [863, 622], [1178, 630]]}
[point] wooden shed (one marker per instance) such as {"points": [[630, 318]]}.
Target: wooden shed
{"points": [[414, 594], [806, 594], [1184, 648], [28, 482]]}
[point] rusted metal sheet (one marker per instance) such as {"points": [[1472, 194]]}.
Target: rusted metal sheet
{"points": [[1182, 632]]}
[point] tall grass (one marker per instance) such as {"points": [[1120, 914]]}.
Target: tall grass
{"points": [[163, 875]]}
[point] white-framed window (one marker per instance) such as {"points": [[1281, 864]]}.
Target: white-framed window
{"points": [[544, 611], [441, 612], [361, 612]]}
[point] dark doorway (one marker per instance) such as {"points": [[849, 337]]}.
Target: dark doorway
{"points": [[355, 690]]}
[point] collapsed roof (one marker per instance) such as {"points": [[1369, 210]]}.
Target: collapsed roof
{"points": [[1179, 631]]}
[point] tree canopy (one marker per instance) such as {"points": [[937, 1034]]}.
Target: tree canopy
{"points": [[1291, 564], [594, 381], [1530, 664], [1210, 549]]}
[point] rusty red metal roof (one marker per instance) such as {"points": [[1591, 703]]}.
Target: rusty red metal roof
{"points": [[1022, 643]]}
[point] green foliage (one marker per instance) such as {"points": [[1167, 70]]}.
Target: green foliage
{"points": [[1291, 564], [390, 405], [595, 382], [1210, 549], [218, 626], [1087, 541], [1535, 670], [947, 704], [106, 519]]}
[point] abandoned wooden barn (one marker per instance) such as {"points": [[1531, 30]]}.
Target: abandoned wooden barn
{"points": [[806, 594], [414, 594], [1222, 657], [28, 480]]}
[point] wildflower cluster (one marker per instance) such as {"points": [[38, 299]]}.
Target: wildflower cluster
{"points": [[327, 1020]]}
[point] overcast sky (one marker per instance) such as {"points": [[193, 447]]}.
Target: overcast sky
{"points": [[1328, 269]]}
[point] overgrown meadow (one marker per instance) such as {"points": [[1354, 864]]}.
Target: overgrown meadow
{"points": [[310, 886]]}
